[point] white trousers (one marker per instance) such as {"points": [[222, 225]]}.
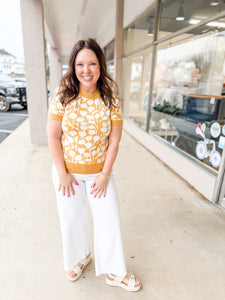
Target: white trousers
{"points": [[108, 249]]}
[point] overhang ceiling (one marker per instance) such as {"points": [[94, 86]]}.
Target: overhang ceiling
{"points": [[67, 21]]}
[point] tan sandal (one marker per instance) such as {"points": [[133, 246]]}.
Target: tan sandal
{"points": [[76, 269], [118, 281]]}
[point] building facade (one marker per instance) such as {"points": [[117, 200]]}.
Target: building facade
{"points": [[9, 64], [173, 88]]}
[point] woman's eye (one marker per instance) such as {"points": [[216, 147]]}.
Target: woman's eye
{"points": [[79, 65], [93, 64]]}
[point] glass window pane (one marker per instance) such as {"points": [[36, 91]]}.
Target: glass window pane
{"points": [[109, 51], [111, 68], [137, 74], [188, 107], [176, 14], [109, 56], [140, 32]]}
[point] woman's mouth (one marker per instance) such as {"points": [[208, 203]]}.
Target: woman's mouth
{"points": [[87, 78]]}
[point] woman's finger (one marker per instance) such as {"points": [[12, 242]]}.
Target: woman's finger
{"points": [[67, 191], [100, 193], [63, 190], [75, 181], [72, 189], [94, 190], [93, 184]]}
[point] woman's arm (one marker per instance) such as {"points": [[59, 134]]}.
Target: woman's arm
{"points": [[54, 132], [100, 183], [113, 147]]}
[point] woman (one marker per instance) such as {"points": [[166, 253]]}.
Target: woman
{"points": [[84, 130]]}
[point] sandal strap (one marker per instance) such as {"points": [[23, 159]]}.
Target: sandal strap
{"points": [[131, 282], [116, 277], [77, 269], [85, 260]]}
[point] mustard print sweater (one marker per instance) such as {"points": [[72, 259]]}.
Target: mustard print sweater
{"points": [[86, 125]]}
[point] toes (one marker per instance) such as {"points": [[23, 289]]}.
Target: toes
{"points": [[126, 279], [72, 273], [137, 282], [109, 277]]}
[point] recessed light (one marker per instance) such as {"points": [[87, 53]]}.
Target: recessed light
{"points": [[214, 3]]}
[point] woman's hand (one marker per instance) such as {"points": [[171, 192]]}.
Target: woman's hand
{"points": [[99, 186], [66, 184]]}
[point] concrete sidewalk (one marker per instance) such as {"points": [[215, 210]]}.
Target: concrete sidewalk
{"points": [[173, 238]]}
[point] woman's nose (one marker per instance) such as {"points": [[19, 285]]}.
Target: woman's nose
{"points": [[86, 68]]}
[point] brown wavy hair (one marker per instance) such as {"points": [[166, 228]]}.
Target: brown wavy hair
{"points": [[69, 84]]}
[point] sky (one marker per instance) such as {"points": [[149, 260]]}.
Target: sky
{"points": [[11, 28]]}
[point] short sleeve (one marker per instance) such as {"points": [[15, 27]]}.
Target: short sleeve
{"points": [[116, 114], [56, 109]]}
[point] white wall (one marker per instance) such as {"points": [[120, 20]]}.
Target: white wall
{"points": [[107, 33], [133, 8]]}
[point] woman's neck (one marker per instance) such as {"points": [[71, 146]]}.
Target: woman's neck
{"points": [[89, 89]]}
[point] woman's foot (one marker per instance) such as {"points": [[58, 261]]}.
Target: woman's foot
{"points": [[128, 282], [77, 270]]}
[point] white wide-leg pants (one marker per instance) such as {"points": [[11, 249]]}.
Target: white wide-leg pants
{"points": [[108, 249]]}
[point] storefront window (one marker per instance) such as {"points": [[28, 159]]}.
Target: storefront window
{"points": [[137, 76], [188, 106], [140, 33], [179, 14]]}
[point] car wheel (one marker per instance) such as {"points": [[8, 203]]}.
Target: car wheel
{"points": [[4, 104]]}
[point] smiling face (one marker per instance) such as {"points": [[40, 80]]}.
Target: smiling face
{"points": [[87, 70]]}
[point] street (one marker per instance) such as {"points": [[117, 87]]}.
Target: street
{"points": [[10, 120]]}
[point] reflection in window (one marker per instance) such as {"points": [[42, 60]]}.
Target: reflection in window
{"points": [[137, 87], [140, 32], [109, 56], [179, 14], [188, 83], [111, 68]]}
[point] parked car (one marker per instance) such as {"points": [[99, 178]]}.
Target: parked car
{"points": [[11, 93]]}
